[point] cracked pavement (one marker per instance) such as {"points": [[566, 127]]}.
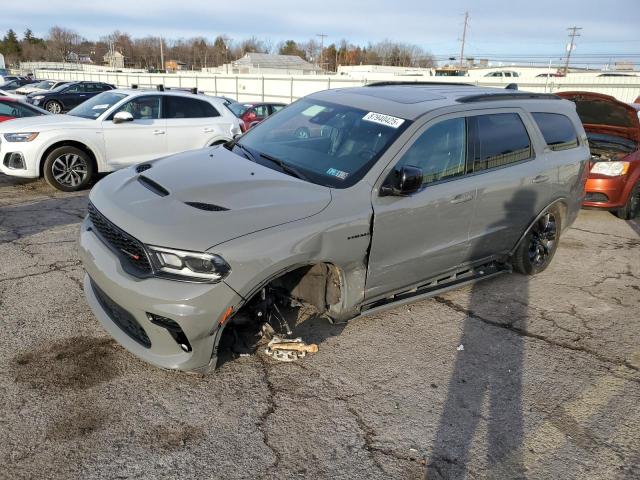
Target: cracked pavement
{"points": [[547, 384]]}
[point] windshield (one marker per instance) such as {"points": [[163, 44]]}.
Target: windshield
{"points": [[96, 106], [238, 108], [44, 85], [61, 87], [330, 144]]}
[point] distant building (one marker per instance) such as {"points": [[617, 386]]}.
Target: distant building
{"points": [[624, 66], [74, 57], [265, 63], [114, 60], [2, 65], [174, 65]]}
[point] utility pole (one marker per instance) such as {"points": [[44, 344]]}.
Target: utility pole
{"points": [[322, 37], [464, 37], [573, 34], [161, 55]]}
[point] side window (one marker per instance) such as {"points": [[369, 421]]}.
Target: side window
{"points": [[142, 108], [77, 88], [498, 139], [181, 107], [439, 151], [7, 110], [94, 87], [276, 108], [261, 111], [557, 130], [23, 112]]}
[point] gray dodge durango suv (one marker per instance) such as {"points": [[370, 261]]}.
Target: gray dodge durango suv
{"points": [[393, 192]]}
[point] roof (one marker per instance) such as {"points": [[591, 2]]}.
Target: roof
{"points": [[266, 60], [410, 101]]}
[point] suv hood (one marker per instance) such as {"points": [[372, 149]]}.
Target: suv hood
{"points": [[604, 114], [255, 197], [46, 122]]}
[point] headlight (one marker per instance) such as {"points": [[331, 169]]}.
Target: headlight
{"points": [[610, 169], [20, 137], [193, 266], [38, 97]]}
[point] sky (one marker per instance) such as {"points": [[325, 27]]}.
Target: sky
{"points": [[496, 28]]}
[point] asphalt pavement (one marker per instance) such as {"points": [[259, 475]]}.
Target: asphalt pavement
{"points": [[514, 377]]}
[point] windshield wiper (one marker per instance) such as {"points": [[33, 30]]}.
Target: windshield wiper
{"points": [[245, 150], [286, 168]]}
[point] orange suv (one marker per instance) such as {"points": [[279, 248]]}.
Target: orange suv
{"points": [[613, 131]]}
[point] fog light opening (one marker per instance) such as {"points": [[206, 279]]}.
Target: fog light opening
{"points": [[15, 161], [173, 329]]}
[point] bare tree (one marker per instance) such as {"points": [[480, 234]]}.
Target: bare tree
{"points": [[61, 42]]}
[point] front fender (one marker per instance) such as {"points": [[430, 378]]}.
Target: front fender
{"points": [[96, 146]]}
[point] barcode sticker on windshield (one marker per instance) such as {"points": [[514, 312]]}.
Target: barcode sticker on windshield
{"points": [[388, 120], [102, 106]]}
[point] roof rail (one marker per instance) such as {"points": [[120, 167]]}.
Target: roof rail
{"points": [[486, 97], [406, 82]]}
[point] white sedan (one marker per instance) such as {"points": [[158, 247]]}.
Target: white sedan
{"points": [[112, 130], [42, 86]]}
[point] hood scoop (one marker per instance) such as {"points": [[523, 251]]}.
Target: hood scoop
{"points": [[209, 207], [153, 186], [143, 167]]}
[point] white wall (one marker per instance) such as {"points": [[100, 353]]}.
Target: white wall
{"points": [[286, 88]]}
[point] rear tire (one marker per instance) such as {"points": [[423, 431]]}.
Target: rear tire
{"points": [[53, 107], [68, 169], [631, 209], [536, 250]]}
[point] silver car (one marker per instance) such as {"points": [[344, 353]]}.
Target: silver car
{"points": [[394, 193]]}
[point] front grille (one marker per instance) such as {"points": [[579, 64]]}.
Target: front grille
{"points": [[127, 247], [123, 319], [596, 197]]}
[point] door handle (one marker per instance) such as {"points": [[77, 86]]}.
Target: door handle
{"points": [[158, 132], [209, 130], [540, 179], [461, 198]]}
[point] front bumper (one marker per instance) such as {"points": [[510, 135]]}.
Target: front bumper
{"points": [[196, 308], [606, 192], [29, 152]]}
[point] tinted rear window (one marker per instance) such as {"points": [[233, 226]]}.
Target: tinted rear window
{"points": [[498, 139], [557, 130], [181, 107]]}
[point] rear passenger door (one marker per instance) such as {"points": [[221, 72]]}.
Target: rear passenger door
{"points": [[512, 177], [422, 235], [191, 123]]}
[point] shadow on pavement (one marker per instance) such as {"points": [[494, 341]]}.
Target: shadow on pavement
{"points": [[485, 387]]}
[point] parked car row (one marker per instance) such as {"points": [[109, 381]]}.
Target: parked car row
{"points": [[612, 127], [111, 130]]}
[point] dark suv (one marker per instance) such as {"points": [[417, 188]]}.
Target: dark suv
{"points": [[67, 96], [405, 191]]}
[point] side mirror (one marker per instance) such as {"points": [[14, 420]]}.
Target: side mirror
{"points": [[407, 181], [122, 117]]}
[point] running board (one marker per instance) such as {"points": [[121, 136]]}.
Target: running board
{"points": [[435, 287]]}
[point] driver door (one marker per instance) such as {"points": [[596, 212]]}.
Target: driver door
{"points": [[420, 236], [140, 140]]}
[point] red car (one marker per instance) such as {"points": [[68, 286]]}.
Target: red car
{"points": [[11, 108], [613, 130], [250, 114]]}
